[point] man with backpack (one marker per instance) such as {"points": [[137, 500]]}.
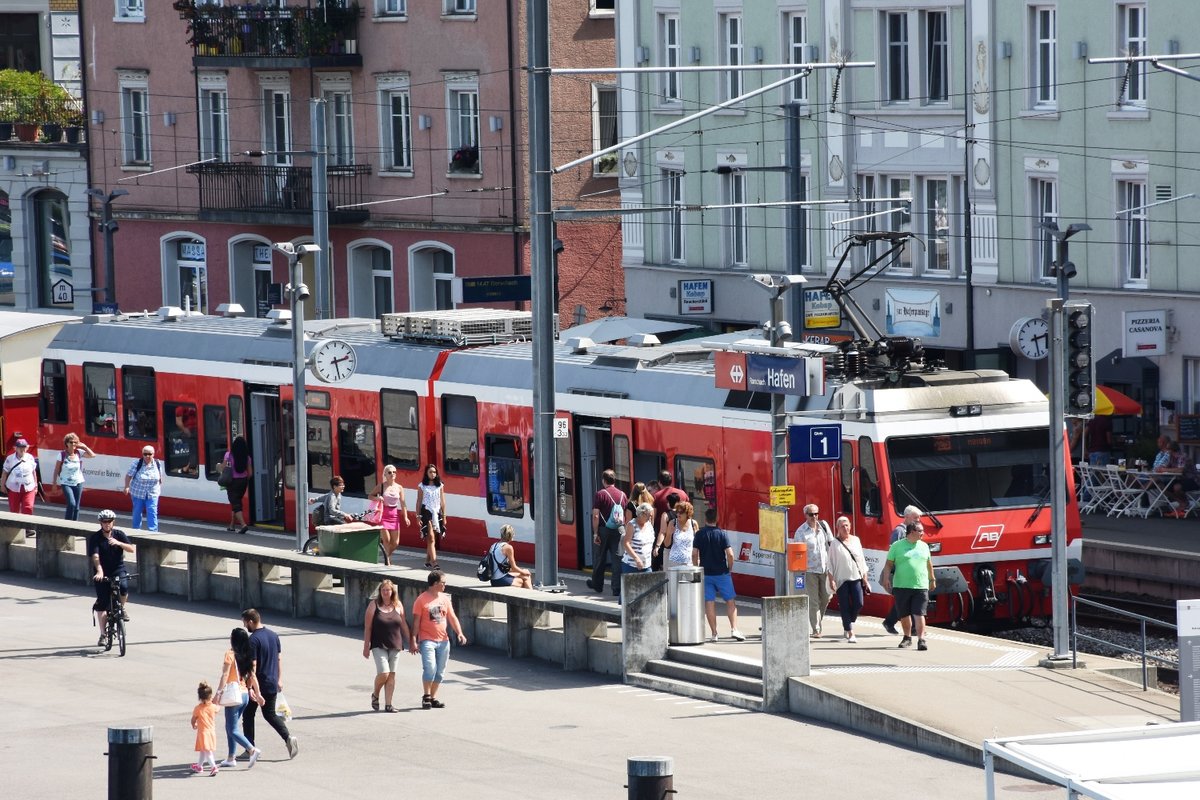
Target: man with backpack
{"points": [[609, 518]]}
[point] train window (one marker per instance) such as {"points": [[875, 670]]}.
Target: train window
{"points": [[847, 474], [698, 477], [236, 428], [181, 441], [505, 491], [982, 469], [868, 479], [565, 479], [53, 403], [621, 465], [100, 399], [356, 456], [320, 453], [647, 465], [141, 403], [401, 440], [216, 440], [460, 436]]}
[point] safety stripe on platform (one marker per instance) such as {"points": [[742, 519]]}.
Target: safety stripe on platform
{"points": [[931, 668]]}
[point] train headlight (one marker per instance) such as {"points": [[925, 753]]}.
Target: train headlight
{"points": [[1041, 540], [935, 547]]}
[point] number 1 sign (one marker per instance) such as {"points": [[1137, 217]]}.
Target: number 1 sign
{"points": [[807, 443]]}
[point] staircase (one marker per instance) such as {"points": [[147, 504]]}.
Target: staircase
{"points": [[705, 674]]}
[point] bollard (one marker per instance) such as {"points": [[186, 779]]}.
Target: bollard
{"points": [[650, 777], [130, 763]]}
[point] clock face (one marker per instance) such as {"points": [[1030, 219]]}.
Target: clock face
{"points": [[334, 361], [1030, 337]]}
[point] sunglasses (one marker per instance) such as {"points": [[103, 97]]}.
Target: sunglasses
{"points": [[812, 514]]}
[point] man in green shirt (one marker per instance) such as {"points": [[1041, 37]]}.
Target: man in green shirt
{"points": [[909, 570]]}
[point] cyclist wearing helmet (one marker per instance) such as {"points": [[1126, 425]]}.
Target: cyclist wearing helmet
{"points": [[106, 549]]}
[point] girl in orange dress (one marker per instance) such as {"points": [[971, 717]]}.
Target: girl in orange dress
{"points": [[204, 723]]}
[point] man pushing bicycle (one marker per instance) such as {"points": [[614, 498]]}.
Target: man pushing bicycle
{"points": [[106, 549]]}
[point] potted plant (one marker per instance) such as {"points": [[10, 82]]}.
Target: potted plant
{"points": [[7, 115], [73, 125]]}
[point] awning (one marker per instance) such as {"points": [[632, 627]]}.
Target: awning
{"points": [[1110, 402]]}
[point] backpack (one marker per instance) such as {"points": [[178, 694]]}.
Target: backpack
{"points": [[616, 515], [487, 566], [318, 514]]}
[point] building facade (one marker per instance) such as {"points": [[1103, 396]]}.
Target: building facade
{"points": [[427, 161]]}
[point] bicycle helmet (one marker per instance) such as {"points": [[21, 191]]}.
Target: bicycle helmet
{"points": [[106, 515]]}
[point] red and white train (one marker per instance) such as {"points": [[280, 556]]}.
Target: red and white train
{"points": [[970, 448]]}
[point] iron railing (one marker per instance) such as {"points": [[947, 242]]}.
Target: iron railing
{"points": [[271, 32], [1076, 635], [265, 188]]}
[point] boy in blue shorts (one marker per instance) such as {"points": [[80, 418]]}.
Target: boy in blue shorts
{"points": [[712, 551]]}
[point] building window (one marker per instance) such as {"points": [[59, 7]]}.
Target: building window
{"points": [[339, 125], [937, 57], [602, 8], [1133, 229], [604, 128], [277, 125], [391, 8], [737, 232], [397, 130], [452, 7], [460, 437], [1044, 199], [131, 9], [672, 183], [214, 124], [7, 296], [669, 56], [1045, 56], [462, 96], [937, 225], [796, 50], [901, 221], [135, 118], [50, 250], [185, 275], [370, 281], [401, 439], [896, 60], [431, 270], [140, 392], [731, 54], [1131, 21]]}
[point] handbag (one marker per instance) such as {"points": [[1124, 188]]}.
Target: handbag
{"points": [[226, 476], [232, 696], [374, 514]]}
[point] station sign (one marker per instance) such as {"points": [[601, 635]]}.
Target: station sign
{"points": [[496, 289], [783, 495], [696, 296], [809, 443], [753, 372], [730, 368]]}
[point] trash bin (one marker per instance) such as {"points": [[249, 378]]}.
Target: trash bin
{"points": [[685, 605], [354, 540]]}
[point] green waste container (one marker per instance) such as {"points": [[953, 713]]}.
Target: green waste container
{"points": [[354, 541]]}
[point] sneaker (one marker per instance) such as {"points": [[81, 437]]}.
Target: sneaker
{"points": [[906, 642], [214, 770], [242, 756], [124, 615], [712, 637], [103, 640], [850, 639], [737, 635], [196, 767], [228, 763], [921, 645], [890, 627], [425, 702], [254, 758], [293, 747]]}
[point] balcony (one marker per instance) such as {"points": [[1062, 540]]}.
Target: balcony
{"points": [[276, 194], [262, 36]]}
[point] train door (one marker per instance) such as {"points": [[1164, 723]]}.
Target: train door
{"points": [[265, 444], [595, 454]]}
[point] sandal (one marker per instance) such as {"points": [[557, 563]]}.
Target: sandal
{"points": [[435, 703], [426, 701], [374, 702], [389, 709]]}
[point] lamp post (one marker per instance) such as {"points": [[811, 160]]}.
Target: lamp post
{"points": [[108, 226], [781, 332], [297, 294]]}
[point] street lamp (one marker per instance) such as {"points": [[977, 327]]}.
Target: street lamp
{"points": [[108, 226], [297, 294], [780, 332]]}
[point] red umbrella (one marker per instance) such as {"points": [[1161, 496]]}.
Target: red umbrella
{"points": [[1111, 402]]}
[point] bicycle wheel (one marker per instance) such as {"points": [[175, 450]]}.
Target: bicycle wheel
{"points": [[120, 632], [109, 629], [311, 548]]}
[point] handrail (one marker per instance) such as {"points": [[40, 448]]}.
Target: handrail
{"points": [[1141, 618]]}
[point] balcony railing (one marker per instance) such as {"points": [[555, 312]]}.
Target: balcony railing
{"points": [[323, 35], [40, 118], [233, 189]]}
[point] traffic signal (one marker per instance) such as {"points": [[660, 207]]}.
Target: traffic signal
{"points": [[1080, 383]]}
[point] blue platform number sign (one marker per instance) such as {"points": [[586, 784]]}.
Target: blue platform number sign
{"points": [[808, 443], [798, 581]]}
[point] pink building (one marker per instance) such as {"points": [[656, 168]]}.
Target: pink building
{"points": [[422, 100]]}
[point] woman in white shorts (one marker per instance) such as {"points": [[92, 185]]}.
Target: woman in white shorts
{"points": [[385, 634]]}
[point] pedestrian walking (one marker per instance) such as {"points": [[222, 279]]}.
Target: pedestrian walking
{"points": [[677, 534], [912, 514], [390, 496], [815, 534], [20, 478], [909, 570], [143, 484], [68, 473], [712, 551], [847, 575], [237, 459], [638, 542], [433, 618], [385, 635], [204, 717], [609, 519], [237, 668], [267, 651], [432, 498]]}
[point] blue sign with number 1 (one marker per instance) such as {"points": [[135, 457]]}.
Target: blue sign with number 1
{"points": [[808, 443]]}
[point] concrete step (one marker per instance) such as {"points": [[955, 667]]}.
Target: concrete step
{"points": [[715, 659], [712, 694], [705, 676]]}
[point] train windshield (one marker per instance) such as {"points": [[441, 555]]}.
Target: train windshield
{"points": [[966, 471]]}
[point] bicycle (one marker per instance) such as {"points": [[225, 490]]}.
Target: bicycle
{"points": [[114, 625]]}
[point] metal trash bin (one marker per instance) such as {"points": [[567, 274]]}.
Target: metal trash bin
{"points": [[354, 540], [685, 605]]}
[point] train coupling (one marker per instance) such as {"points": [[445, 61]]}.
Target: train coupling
{"points": [[985, 579]]}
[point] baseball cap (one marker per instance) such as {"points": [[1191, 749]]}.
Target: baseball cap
{"points": [[20, 443]]}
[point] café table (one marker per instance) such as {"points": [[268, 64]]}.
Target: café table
{"points": [[1153, 488]]}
